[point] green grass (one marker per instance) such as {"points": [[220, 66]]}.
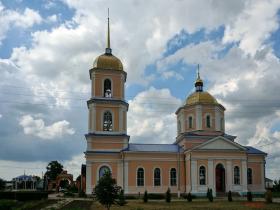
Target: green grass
{"points": [[197, 204]]}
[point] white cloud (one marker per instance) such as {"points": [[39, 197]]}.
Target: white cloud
{"points": [[37, 127], [1, 116], [52, 18], [10, 18], [172, 74], [254, 25], [151, 116]]}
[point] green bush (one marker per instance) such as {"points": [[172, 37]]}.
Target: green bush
{"points": [[130, 197], [7, 204], [229, 196], [268, 196], [249, 196], [189, 197], [7, 195], [27, 196], [145, 197], [68, 194], [168, 196], [156, 196], [82, 194]]}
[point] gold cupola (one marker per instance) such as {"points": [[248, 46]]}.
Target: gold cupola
{"points": [[200, 96], [108, 60]]}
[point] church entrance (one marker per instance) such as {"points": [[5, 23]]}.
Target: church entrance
{"points": [[220, 178]]}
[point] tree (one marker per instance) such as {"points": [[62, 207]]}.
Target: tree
{"points": [[54, 168], [106, 191], [168, 196], [276, 185], [268, 196], [2, 184], [229, 196], [210, 196], [249, 196], [145, 198], [189, 197], [121, 201]]}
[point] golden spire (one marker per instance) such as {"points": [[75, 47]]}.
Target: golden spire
{"points": [[198, 76], [198, 83], [108, 49]]}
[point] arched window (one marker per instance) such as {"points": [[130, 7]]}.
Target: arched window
{"points": [[236, 175], [107, 121], [173, 177], [103, 170], [140, 177], [107, 88], [222, 124], [208, 121], [249, 176], [202, 175], [190, 122], [157, 177], [179, 127]]}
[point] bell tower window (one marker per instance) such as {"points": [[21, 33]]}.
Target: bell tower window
{"points": [[107, 121], [208, 121], [107, 88], [190, 122]]}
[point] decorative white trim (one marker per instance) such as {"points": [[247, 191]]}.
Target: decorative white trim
{"points": [[229, 175], [211, 174], [240, 182], [215, 139], [244, 175], [194, 175], [88, 178], [198, 119]]}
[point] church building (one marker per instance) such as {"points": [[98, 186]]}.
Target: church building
{"points": [[203, 155]]}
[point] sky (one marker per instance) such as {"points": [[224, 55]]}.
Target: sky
{"points": [[47, 48]]}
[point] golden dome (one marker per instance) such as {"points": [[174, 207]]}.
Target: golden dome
{"points": [[201, 98], [108, 61]]}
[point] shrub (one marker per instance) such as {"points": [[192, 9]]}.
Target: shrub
{"points": [[130, 197], [7, 204], [249, 196], [121, 201], [7, 195], [27, 196], [210, 196], [229, 196], [156, 196], [168, 196], [189, 197], [68, 194], [208, 193], [82, 194], [145, 198], [268, 196]]}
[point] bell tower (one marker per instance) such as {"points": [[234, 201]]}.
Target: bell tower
{"points": [[107, 125]]}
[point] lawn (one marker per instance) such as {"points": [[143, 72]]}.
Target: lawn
{"points": [[177, 205]]}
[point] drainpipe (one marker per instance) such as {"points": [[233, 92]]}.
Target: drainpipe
{"points": [[179, 170], [190, 171], [123, 173]]}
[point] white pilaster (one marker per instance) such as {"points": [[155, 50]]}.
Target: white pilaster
{"points": [[198, 118], [194, 176], [262, 177], [121, 119], [126, 177], [229, 175], [211, 174], [217, 119], [244, 176], [120, 174], [88, 179]]}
